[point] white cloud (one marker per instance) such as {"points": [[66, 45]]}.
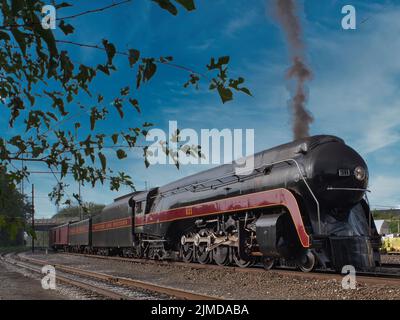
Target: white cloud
{"points": [[382, 131], [355, 92], [385, 191], [203, 45], [242, 20]]}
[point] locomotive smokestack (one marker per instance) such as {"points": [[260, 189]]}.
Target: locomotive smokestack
{"points": [[286, 13]]}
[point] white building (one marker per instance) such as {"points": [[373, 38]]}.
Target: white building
{"points": [[382, 226]]}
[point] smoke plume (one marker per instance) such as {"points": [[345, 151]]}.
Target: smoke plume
{"points": [[286, 14]]}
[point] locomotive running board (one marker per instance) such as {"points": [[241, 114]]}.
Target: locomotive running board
{"points": [[263, 199]]}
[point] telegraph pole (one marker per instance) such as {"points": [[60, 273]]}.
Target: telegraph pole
{"points": [[80, 202], [79, 184], [33, 218]]}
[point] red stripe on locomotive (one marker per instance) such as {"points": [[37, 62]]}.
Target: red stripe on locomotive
{"points": [[272, 198]]}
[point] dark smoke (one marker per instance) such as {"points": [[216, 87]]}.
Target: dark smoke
{"points": [[285, 11]]}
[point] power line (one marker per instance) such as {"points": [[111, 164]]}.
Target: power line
{"points": [[16, 25]]}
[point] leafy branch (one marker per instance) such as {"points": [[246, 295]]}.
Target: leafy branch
{"points": [[41, 87]]}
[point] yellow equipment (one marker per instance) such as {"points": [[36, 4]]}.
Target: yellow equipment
{"points": [[391, 245]]}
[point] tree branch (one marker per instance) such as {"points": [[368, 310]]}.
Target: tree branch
{"points": [[26, 159], [121, 53], [95, 10]]}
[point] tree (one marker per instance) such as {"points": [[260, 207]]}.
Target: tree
{"points": [[392, 216], [14, 212], [74, 212], [42, 87]]}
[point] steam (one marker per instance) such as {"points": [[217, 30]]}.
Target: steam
{"points": [[286, 13]]}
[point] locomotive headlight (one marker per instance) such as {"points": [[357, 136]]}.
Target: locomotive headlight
{"points": [[360, 173]]}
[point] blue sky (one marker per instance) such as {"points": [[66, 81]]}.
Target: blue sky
{"points": [[354, 93]]}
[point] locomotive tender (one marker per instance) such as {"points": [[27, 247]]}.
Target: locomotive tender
{"points": [[303, 205]]}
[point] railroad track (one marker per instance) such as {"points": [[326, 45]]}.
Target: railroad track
{"points": [[391, 265], [384, 276], [80, 284], [115, 281]]}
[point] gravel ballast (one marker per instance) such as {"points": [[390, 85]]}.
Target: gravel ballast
{"points": [[268, 285]]}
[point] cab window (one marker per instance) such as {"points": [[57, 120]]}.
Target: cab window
{"points": [[139, 207]]}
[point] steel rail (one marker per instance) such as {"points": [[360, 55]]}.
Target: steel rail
{"points": [[79, 284], [169, 291], [363, 277]]}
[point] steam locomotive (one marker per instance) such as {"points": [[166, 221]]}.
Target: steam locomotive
{"points": [[304, 205]]}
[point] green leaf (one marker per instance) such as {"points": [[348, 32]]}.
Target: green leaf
{"points": [[63, 5], [235, 85], [213, 86], [114, 138], [67, 66], [225, 94], [57, 102], [64, 168], [134, 56], [149, 70], [103, 161], [188, 4], [135, 104], [4, 36], [139, 76], [20, 38], [246, 91], [16, 6], [66, 28], [110, 50], [118, 105], [93, 119], [52, 115], [121, 154], [223, 60], [103, 69], [167, 5], [125, 91]]}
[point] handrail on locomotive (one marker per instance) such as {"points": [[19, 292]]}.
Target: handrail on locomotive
{"points": [[231, 174]]}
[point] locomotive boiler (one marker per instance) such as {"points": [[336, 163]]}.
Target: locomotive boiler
{"points": [[304, 205]]}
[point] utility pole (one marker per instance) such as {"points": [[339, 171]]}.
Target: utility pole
{"points": [[33, 218], [22, 182], [79, 184], [80, 202]]}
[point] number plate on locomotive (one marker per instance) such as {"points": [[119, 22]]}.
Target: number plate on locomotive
{"points": [[344, 173]]}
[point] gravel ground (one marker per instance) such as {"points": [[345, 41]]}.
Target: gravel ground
{"points": [[234, 285], [18, 284], [390, 258]]}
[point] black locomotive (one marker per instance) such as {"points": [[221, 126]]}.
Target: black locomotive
{"points": [[304, 205]]}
